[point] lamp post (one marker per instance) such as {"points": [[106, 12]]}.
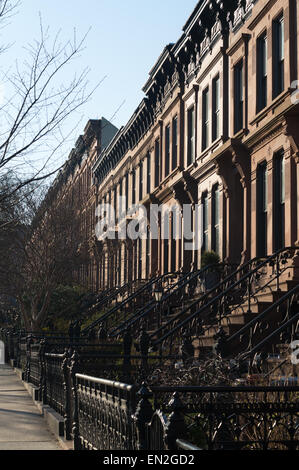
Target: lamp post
{"points": [[158, 294]]}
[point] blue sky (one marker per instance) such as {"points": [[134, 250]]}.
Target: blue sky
{"points": [[124, 42]]}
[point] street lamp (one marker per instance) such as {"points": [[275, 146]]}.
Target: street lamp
{"points": [[158, 294]]}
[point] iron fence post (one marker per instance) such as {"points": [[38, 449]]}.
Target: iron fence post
{"points": [[127, 345], [43, 373], [67, 394], [176, 427], [75, 425], [143, 416], [41, 356], [29, 341]]}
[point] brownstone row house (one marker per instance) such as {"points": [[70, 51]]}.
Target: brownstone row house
{"points": [[74, 186], [216, 132]]}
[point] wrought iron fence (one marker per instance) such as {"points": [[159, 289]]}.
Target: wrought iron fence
{"points": [[103, 415], [235, 418]]}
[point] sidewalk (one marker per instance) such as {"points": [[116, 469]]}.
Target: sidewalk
{"points": [[21, 425]]}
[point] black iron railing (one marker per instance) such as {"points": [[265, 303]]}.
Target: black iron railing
{"points": [[103, 415], [130, 304], [151, 314], [111, 415], [239, 288], [112, 295], [235, 418], [273, 321]]}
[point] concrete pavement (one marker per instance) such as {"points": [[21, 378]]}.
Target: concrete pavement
{"points": [[22, 427]]}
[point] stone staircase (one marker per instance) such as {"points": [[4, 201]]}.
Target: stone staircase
{"points": [[241, 315]]}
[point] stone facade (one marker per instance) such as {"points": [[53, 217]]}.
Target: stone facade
{"points": [[217, 130]]}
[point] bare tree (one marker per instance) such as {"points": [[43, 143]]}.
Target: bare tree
{"points": [[42, 252], [39, 105]]}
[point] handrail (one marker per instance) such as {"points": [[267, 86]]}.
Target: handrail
{"points": [[117, 290], [181, 444], [204, 330], [156, 389], [106, 382], [253, 350], [213, 300], [125, 301], [263, 314], [172, 290], [231, 276], [275, 368]]}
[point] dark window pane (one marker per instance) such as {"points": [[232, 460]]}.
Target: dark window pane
{"points": [[238, 97], [141, 181], [278, 56], [205, 118], [174, 142], [148, 176], [279, 201], [261, 210], [205, 222], [261, 72], [216, 108], [157, 162], [191, 136], [215, 218], [167, 150]]}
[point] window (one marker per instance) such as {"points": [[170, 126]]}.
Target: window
{"points": [[157, 162], [135, 259], [166, 255], [173, 243], [140, 181], [174, 142], [115, 204], [133, 186], [167, 149], [215, 218], [127, 191], [139, 274], [216, 108], [148, 173], [262, 72], [120, 197], [279, 201], [261, 213], [148, 254], [238, 97], [109, 208], [125, 265], [278, 56], [205, 118], [191, 136], [119, 265], [205, 222]]}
